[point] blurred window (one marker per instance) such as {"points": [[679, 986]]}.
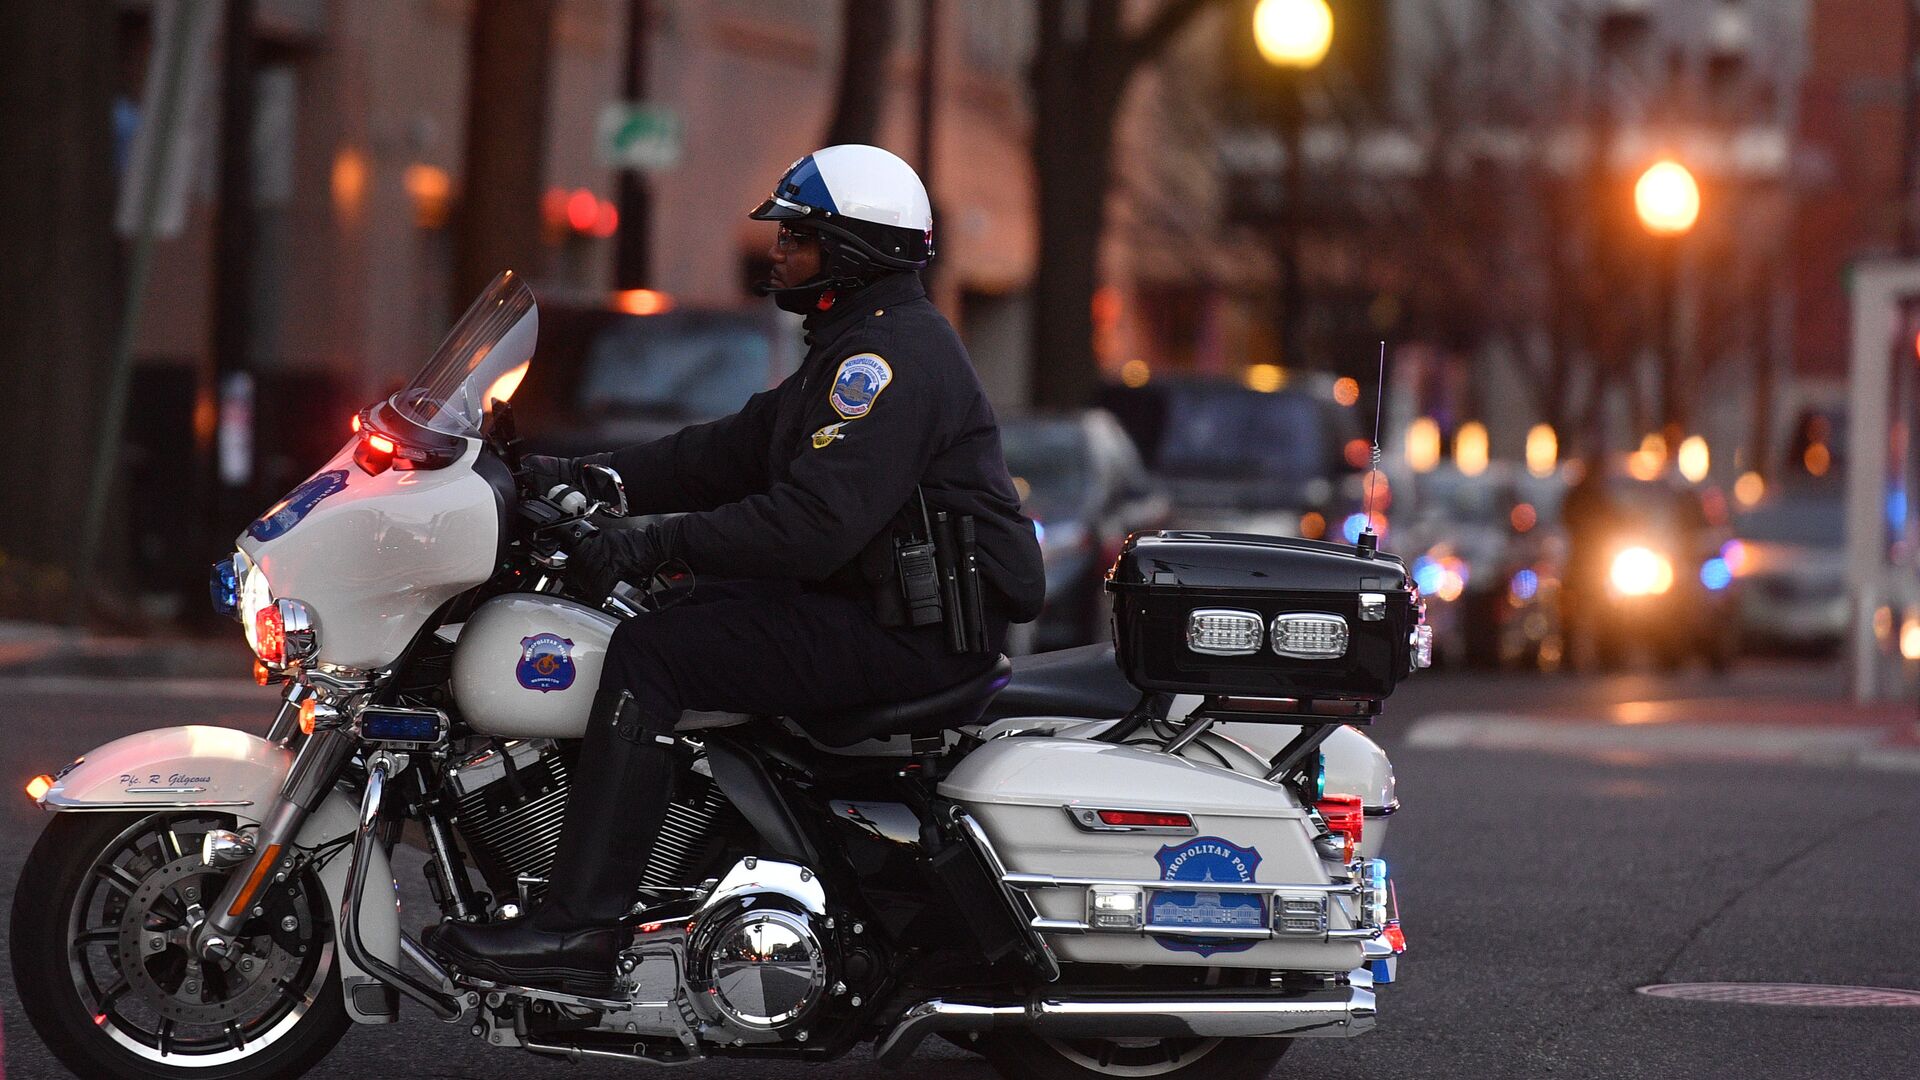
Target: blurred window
{"points": [[1813, 522], [678, 364], [1052, 464]]}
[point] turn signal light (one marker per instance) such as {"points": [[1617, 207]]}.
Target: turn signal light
{"points": [[306, 716], [1346, 816], [38, 787], [1145, 819]]}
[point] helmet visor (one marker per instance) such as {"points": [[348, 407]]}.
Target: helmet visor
{"points": [[779, 209]]}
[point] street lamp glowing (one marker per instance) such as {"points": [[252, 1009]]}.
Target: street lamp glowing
{"points": [[1694, 459], [1667, 198], [1423, 445], [1470, 448], [1543, 450], [1293, 33]]}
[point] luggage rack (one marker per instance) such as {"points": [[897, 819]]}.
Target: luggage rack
{"points": [[1317, 718]]}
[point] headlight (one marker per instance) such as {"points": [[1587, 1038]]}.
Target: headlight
{"points": [[1638, 571], [256, 599]]}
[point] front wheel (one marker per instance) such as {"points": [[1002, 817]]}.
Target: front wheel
{"points": [[1022, 1056], [101, 922]]}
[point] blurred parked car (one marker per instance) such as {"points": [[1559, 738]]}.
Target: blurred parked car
{"points": [[603, 378], [1488, 554], [1789, 554], [1081, 480], [1646, 570], [1280, 463]]}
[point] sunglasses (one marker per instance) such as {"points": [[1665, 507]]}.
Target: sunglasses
{"points": [[789, 237]]}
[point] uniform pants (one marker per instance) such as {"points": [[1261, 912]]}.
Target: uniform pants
{"points": [[773, 647]]}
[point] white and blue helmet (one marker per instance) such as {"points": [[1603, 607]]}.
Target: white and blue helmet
{"points": [[869, 206]]}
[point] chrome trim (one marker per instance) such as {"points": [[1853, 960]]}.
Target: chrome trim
{"points": [[1259, 631], [1337, 1012], [1053, 881], [300, 638], [1373, 607], [1196, 726], [443, 1005], [62, 805], [163, 790], [1088, 819], [559, 997], [1388, 810], [1018, 902]]}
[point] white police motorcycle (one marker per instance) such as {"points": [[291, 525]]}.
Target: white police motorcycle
{"points": [[1160, 862]]}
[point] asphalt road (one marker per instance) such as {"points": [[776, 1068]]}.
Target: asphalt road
{"points": [[1538, 891]]}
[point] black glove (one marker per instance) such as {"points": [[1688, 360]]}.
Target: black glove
{"points": [[599, 562], [543, 472]]}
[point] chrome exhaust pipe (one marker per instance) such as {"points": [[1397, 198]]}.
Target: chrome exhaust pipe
{"points": [[1335, 1013]]}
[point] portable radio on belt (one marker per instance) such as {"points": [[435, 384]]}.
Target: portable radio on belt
{"points": [[939, 574]]}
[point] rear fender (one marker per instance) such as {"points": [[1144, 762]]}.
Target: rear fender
{"points": [[219, 769]]}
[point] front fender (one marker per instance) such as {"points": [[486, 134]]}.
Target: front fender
{"points": [[199, 767]]}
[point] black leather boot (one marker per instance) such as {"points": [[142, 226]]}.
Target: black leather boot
{"points": [[614, 806]]}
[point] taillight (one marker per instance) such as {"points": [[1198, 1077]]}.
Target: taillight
{"points": [[1144, 819], [270, 635], [1346, 816]]}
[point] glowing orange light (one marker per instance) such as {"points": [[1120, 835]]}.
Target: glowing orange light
{"points": [[1749, 489], [349, 183], [553, 208], [1265, 378], [1359, 453], [1523, 517], [642, 301], [1667, 199], [432, 193], [1346, 391], [306, 717], [504, 386], [261, 675], [1312, 525], [260, 872], [380, 443], [38, 787], [1106, 306], [1135, 373], [1818, 459], [1470, 448], [583, 209]]}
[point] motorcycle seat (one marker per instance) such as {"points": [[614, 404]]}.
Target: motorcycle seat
{"points": [[955, 706], [1083, 682]]}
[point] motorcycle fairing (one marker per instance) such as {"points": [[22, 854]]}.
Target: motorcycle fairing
{"points": [[200, 767], [375, 559]]}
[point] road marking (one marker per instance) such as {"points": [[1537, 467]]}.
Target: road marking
{"points": [[1858, 747], [224, 689]]}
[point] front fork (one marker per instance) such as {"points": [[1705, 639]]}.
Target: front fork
{"points": [[316, 765]]}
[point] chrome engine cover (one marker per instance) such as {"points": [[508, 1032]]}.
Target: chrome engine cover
{"points": [[760, 958]]}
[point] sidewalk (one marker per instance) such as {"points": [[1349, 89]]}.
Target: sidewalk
{"points": [[1883, 737], [47, 650]]}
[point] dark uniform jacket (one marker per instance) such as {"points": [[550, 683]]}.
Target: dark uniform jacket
{"points": [[811, 479]]}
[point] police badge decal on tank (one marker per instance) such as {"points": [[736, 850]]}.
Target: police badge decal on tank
{"points": [[1207, 858], [546, 663], [858, 383]]}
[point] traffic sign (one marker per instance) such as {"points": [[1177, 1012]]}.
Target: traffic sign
{"points": [[639, 135]]}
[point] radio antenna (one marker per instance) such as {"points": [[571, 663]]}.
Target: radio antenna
{"points": [[1369, 541]]}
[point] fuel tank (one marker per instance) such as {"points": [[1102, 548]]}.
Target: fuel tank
{"points": [[526, 666]]}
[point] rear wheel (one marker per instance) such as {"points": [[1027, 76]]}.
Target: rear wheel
{"points": [[1021, 1056], [102, 919]]}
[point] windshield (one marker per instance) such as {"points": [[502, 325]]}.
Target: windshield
{"points": [[482, 360], [1276, 439]]}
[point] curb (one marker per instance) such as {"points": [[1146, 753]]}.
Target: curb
{"points": [[1870, 747]]}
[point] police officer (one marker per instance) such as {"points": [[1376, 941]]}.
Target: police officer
{"points": [[792, 508]]}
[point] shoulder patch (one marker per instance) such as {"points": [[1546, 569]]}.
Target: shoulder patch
{"points": [[858, 384]]}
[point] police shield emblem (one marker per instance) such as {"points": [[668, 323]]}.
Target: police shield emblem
{"points": [[546, 663], [858, 383], [1208, 858]]}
